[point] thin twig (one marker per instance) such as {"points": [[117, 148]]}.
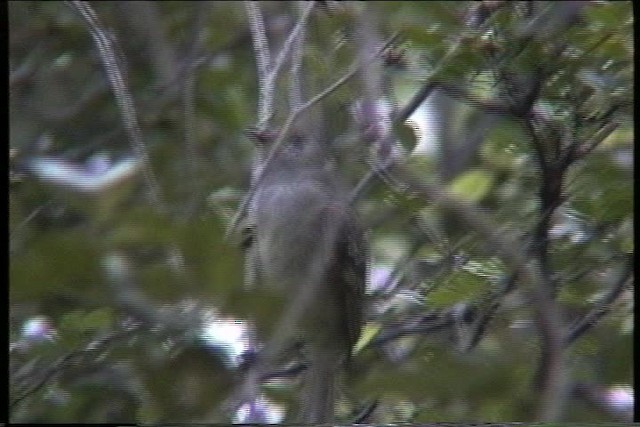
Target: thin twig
{"points": [[295, 88], [29, 217], [294, 38], [123, 98], [191, 163], [591, 318], [263, 55], [430, 83], [268, 73], [596, 139], [328, 91], [92, 347], [495, 300], [488, 106], [512, 252], [364, 415], [415, 102], [289, 123]]}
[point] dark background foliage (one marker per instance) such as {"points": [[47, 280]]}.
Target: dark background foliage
{"points": [[531, 130]]}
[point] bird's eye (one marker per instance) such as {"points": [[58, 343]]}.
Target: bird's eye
{"points": [[296, 142], [248, 236], [295, 145]]}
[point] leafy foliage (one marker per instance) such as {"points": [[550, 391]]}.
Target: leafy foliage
{"points": [[533, 127]]}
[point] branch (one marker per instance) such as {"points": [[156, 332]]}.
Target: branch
{"points": [[480, 325], [134, 302], [421, 95], [268, 75], [295, 88], [429, 323], [488, 106], [144, 19], [596, 139], [190, 141], [415, 102], [296, 35], [107, 53], [328, 91], [430, 83], [95, 346], [263, 55], [289, 123], [514, 254], [602, 308]]}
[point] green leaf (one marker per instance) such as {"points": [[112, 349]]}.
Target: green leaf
{"points": [[407, 135], [57, 263], [78, 326], [460, 286], [98, 319], [472, 185], [368, 333]]}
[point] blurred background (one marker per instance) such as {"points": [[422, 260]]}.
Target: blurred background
{"points": [[126, 298]]}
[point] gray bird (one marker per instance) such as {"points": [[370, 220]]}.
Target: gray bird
{"points": [[305, 243]]}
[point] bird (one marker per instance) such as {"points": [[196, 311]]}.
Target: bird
{"points": [[305, 242]]}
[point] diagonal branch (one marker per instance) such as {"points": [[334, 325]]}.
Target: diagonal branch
{"points": [[292, 119], [263, 55], [296, 34], [93, 347], [602, 308], [268, 73], [295, 88], [511, 251], [124, 100]]}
